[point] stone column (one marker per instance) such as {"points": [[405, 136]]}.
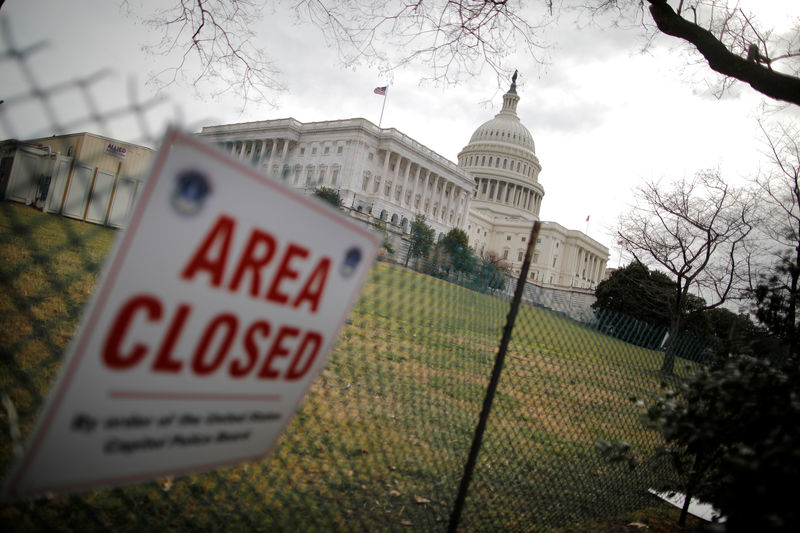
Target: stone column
{"points": [[429, 183], [460, 201], [386, 165], [284, 153], [441, 197], [273, 146], [395, 179], [405, 182], [416, 186]]}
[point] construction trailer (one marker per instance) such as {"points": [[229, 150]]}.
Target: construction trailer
{"points": [[81, 175]]}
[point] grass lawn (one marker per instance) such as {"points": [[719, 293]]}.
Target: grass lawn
{"points": [[381, 440]]}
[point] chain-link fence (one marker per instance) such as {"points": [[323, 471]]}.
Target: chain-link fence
{"points": [[381, 441]]}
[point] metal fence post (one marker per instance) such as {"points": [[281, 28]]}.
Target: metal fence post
{"points": [[469, 467]]}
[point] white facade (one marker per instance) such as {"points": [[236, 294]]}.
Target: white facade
{"points": [[501, 155], [493, 194], [377, 171]]}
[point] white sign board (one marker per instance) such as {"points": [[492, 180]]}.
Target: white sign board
{"points": [[216, 311]]}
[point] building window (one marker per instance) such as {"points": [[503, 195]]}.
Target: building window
{"points": [[321, 178], [539, 241], [505, 253], [554, 261], [365, 183], [535, 258], [314, 150], [335, 176], [504, 162], [523, 239], [483, 160], [309, 175], [302, 151], [508, 237], [326, 150], [339, 149], [519, 255], [370, 156], [490, 161], [517, 166]]}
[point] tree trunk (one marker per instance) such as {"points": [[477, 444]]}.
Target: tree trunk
{"points": [[671, 351], [791, 315], [668, 366]]}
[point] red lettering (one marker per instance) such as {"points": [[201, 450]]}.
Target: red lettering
{"points": [[314, 287], [277, 350], [285, 272], [111, 349], [289, 354], [164, 361], [237, 369], [204, 259], [199, 365], [252, 262], [296, 371]]}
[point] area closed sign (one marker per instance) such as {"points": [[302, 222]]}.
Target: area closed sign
{"points": [[216, 311]]}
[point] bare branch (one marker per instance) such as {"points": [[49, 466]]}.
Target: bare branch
{"points": [[213, 43], [454, 39], [734, 52]]}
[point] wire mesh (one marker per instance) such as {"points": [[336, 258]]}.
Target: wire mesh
{"points": [[381, 440]]}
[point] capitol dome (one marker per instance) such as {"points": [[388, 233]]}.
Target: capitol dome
{"points": [[505, 127], [501, 157]]}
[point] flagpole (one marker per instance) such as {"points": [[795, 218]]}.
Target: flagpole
{"points": [[385, 95]]}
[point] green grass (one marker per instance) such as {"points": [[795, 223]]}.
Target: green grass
{"points": [[381, 440]]}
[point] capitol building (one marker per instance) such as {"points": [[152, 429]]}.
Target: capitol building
{"points": [[492, 193]]}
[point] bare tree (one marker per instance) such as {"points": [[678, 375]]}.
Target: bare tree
{"points": [[213, 40], [457, 39], [454, 39], [777, 290], [734, 44], [693, 230]]}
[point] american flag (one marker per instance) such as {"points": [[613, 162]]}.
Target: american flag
{"points": [[381, 90]]}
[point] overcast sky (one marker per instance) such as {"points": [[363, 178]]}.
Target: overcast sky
{"points": [[603, 115]]}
